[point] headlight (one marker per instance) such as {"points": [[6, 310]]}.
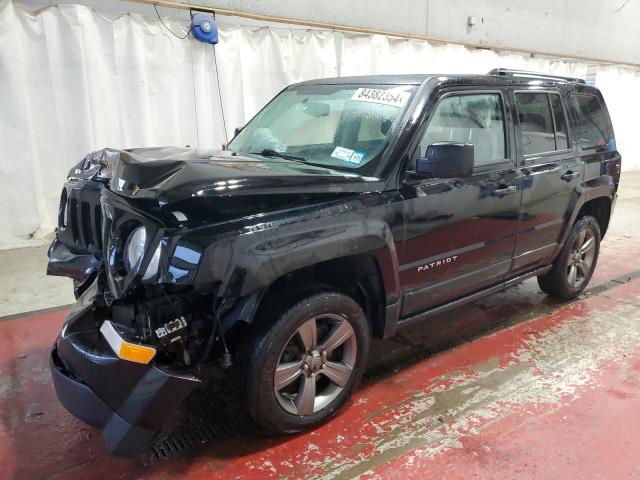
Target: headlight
{"points": [[134, 250]]}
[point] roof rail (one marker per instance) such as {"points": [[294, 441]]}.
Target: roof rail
{"points": [[523, 73]]}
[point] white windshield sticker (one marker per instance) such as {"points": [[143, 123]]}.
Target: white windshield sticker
{"points": [[385, 97], [342, 153]]}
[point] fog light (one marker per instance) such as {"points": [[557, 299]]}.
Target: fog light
{"points": [[132, 352]]}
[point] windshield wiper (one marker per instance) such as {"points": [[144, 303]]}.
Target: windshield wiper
{"points": [[268, 152]]}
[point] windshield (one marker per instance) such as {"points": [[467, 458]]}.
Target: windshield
{"points": [[338, 126]]}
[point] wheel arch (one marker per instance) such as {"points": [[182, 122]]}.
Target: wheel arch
{"points": [[358, 276], [600, 209]]}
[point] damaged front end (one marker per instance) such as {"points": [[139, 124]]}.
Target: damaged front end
{"points": [[139, 339], [106, 386]]}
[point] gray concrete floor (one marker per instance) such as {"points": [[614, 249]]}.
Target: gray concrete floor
{"points": [[25, 286]]}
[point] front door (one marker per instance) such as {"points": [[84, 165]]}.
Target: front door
{"points": [[460, 233]]}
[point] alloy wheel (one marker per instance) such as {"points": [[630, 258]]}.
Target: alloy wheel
{"points": [[315, 364], [580, 261]]}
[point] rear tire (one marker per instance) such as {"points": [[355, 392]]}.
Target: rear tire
{"points": [[574, 265], [305, 360]]}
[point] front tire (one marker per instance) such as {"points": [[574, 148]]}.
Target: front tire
{"points": [[305, 361], [576, 262]]}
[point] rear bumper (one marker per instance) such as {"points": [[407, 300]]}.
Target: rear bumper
{"points": [[130, 402]]}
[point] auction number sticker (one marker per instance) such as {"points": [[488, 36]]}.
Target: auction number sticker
{"points": [[385, 97]]}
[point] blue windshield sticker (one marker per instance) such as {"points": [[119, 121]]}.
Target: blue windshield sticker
{"points": [[357, 157], [612, 144]]}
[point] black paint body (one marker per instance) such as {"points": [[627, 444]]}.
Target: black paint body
{"points": [[417, 245]]}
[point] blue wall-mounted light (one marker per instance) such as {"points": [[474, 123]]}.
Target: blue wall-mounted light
{"points": [[204, 28]]}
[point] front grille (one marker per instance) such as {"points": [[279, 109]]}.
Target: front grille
{"points": [[80, 221], [86, 224]]}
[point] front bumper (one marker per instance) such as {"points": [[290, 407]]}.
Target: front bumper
{"points": [[130, 402], [120, 436]]}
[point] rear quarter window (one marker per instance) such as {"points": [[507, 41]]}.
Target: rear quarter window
{"points": [[592, 128]]}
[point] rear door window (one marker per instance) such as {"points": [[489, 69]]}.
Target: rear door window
{"points": [[536, 123], [592, 128]]}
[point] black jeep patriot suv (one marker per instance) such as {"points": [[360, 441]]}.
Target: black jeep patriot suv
{"points": [[346, 209]]}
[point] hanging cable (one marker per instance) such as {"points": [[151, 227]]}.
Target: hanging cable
{"points": [[155, 7], [224, 122], [215, 61], [195, 97]]}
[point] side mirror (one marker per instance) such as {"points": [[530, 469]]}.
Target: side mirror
{"points": [[446, 160]]}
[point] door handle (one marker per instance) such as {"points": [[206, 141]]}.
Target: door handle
{"points": [[567, 177], [501, 192]]}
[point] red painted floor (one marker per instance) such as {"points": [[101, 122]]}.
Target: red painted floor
{"points": [[553, 392]]}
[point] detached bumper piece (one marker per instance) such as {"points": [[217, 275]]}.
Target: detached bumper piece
{"points": [[129, 401], [65, 263]]}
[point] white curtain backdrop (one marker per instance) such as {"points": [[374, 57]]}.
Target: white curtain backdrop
{"points": [[255, 64], [73, 80], [621, 90]]}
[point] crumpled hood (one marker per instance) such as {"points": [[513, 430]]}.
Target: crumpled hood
{"points": [[171, 174]]}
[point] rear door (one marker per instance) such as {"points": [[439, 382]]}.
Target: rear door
{"points": [[460, 233], [552, 173]]}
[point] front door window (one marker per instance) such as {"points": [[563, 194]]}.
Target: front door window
{"points": [[470, 118]]}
